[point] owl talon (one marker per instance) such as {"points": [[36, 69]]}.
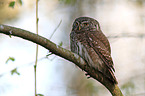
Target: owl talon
{"points": [[87, 75]]}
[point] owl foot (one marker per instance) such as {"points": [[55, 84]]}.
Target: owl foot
{"points": [[88, 76]]}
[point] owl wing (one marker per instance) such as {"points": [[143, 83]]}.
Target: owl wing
{"points": [[104, 54], [102, 48]]}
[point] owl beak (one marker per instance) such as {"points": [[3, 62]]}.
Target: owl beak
{"points": [[79, 27]]}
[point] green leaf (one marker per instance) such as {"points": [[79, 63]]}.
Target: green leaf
{"points": [[48, 54], [20, 2], [15, 71], [12, 4], [40, 95], [10, 59], [35, 66], [61, 43]]}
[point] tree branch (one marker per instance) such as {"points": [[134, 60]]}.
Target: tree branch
{"points": [[64, 53]]}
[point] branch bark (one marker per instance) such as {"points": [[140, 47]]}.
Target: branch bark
{"points": [[64, 53]]}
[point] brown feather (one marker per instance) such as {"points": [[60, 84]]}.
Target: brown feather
{"points": [[88, 41]]}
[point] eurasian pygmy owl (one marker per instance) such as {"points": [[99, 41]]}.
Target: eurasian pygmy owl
{"points": [[88, 41]]}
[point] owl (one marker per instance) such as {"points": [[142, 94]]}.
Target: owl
{"points": [[88, 41]]}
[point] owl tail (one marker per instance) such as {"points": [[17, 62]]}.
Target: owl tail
{"points": [[113, 78], [110, 76]]}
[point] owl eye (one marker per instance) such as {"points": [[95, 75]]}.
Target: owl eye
{"points": [[76, 23]]}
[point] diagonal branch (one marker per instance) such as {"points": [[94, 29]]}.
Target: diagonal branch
{"points": [[64, 53]]}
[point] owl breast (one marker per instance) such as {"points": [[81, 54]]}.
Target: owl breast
{"points": [[80, 46]]}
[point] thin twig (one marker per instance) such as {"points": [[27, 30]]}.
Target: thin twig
{"points": [[35, 66], [128, 35], [55, 30]]}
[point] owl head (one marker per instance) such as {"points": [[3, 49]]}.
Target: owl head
{"points": [[85, 24]]}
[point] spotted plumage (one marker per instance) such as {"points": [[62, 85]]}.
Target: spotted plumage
{"points": [[88, 41]]}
